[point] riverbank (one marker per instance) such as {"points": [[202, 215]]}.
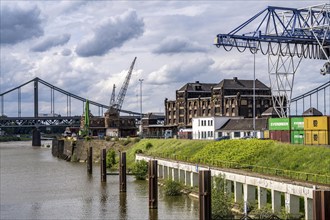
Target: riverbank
{"points": [[308, 163]]}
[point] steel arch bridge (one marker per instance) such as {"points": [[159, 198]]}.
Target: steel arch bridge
{"points": [[286, 36], [52, 119], [318, 98]]}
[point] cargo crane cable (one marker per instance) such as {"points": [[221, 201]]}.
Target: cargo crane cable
{"points": [[310, 51]]}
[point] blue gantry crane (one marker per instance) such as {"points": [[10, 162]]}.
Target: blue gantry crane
{"points": [[286, 35]]}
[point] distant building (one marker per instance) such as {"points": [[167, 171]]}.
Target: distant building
{"points": [[230, 97], [205, 127], [242, 128]]}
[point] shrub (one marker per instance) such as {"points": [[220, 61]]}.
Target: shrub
{"points": [[220, 200], [136, 140], [148, 145], [138, 151], [140, 169], [172, 188], [107, 138], [265, 212], [126, 142], [111, 158]]}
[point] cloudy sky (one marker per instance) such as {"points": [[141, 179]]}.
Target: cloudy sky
{"points": [[85, 47]]}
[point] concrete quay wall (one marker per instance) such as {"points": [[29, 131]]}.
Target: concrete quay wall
{"points": [[245, 186]]}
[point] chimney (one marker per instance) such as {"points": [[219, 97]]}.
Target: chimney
{"points": [[235, 79], [197, 82]]}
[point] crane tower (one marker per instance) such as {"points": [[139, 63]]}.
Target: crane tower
{"points": [[286, 36], [121, 95]]}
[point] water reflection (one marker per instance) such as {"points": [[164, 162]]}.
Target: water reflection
{"points": [[153, 214], [52, 188], [103, 200], [123, 205]]}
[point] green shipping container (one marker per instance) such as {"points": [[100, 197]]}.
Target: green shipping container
{"points": [[297, 123], [279, 124], [297, 137]]}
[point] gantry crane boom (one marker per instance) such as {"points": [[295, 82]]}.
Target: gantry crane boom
{"points": [[286, 34], [286, 31]]}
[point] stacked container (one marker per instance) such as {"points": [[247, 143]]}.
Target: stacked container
{"points": [[297, 130], [317, 130], [279, 129]]}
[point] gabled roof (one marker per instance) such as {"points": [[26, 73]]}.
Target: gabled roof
{"points": [[236, 83], [270, 112], [244, 124], [312, 111], [197, 86]]}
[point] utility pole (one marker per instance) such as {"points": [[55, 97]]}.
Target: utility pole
{"points": [[254, 94], [141, 80]]}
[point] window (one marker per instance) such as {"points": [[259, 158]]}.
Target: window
{"points": [[237, 134]]}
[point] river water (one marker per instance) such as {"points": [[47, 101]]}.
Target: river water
{"points": [[36, 185]]}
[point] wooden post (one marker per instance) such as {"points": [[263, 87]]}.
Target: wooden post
{"points": [[90, 160], [103, 165], [36, 138], [205, 195], [122, 171], [153, 184], [321, 204]]}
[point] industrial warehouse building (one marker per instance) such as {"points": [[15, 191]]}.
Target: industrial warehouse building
{"points": [[230, 98]]}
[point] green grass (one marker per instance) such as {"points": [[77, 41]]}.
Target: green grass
{"points": [[253, 152]]}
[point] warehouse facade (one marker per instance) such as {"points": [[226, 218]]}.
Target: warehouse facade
{"points": [[230, 97]]}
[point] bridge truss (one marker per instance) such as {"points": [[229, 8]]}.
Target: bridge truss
{"points": [[312, 98], [286, 36], [10, 122], [47, 121], [53, 88]]}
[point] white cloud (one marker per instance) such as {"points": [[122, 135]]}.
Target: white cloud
{"points": [[173, 45], [112, 33], [50, 42], [19, 24], [181, 71], [173, 41]]}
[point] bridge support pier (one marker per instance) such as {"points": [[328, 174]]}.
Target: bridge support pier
{"points": [[36, 138]]}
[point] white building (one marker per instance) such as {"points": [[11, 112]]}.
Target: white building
{"points": [[205, 127], [240, 128]]}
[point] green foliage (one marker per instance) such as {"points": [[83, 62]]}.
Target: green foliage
{"points": [[251, 152], [172, 188], [126, 142], [220, 200], [111, 158], [9, 138], [88, 138], [107, 138], [138, 151], [265, 212], [137, 139], [148, 146], [140, 170]]}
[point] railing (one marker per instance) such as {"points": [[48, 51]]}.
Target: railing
{"points": [[294, 175]]}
